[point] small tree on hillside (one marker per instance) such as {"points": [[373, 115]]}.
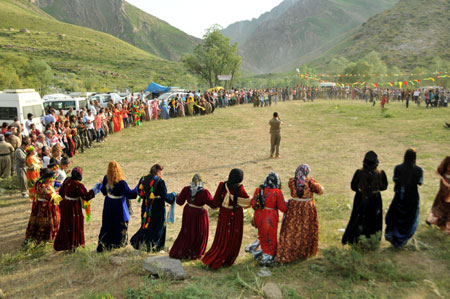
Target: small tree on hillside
{"points": [[215, 56]]}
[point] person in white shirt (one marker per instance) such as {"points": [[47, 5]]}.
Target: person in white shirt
{"points": [[89, 121]]}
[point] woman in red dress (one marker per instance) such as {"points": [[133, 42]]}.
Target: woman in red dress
{"points": [[193, 237], [266, 202], [231, 197], [71, 229], [117, 119]]}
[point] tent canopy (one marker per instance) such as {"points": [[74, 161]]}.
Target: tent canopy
{"points": [[156, 88]]}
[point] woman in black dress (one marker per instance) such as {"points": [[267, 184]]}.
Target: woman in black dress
{"points": [[402, 217], [367, 214]]}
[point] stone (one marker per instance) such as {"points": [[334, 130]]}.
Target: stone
{"points": [[272, 291], [164, 266], [117, 260], [25, 30]]}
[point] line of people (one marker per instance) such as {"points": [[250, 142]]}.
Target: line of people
{"points": [[58, 216]]}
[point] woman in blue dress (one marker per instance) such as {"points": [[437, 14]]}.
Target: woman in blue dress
{"points": [[151, 236], [164, 110], [116, 216], [402, 217]]}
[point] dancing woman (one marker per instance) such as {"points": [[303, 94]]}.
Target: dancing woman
{"points": [[440, 213], [402, 217], [151, 236], [44, 219], [193, 237], [74, 195], [266, 202], [299, 235], [115, 218], [231, 198], [366, 219]]}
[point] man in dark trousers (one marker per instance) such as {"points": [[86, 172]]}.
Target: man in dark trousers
{"points": [[275, 135]]}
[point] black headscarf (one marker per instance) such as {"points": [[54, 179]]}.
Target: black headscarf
{"points": [[235, 177], [370, 161], [46, 173], [410, 157], [77, 174], [406, 173]]}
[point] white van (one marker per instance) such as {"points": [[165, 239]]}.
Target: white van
{"points": [[18, 103], [64, 102], [104, 98]]}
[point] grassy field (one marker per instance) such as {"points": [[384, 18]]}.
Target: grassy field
{"points": [[331, 136]]}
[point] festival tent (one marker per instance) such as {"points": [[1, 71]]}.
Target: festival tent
{"points": [[156, 88]]}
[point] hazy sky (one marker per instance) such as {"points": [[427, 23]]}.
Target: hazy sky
{"points": [[194, 16]]}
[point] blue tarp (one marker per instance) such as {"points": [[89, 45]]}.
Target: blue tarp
{"points": [[156, 88]]}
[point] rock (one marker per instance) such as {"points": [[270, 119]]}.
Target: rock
{"points": [[25, 30], [272, 291], [61, 36], [164, 266], [11, 29], [117, 260]]}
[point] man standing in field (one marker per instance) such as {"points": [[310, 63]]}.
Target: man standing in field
{"points": [[275, 135]]}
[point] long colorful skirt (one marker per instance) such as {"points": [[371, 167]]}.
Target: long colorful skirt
{"points": [[299, 236], [44, 222]]}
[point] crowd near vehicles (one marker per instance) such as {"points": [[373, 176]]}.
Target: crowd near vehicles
{"points": [[18, 103], [104, 98], [168, 96]]}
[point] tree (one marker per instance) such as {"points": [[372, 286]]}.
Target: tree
{"points": [[215, 56], [42, 74]]}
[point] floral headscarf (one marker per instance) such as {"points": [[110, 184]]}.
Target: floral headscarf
{"points": [[273, 181], [300, 178], [196, 185]]}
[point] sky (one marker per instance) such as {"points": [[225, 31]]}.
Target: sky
{"points": [[195, 16]]}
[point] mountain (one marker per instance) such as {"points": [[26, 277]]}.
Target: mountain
{"points": [[77, 54], [411, 34], [125, 21], [297, 31]]}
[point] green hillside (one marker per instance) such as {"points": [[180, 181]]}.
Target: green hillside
{"points": [[79, 57], [125, 21], [412, 34]]}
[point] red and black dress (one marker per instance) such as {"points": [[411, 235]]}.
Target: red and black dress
{"points": [[71, 230], [193, 237], [267, 217], [230, 226]]}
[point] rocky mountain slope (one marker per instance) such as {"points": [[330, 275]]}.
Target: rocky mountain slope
{"points": [[125, 21], [297, 31]]}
